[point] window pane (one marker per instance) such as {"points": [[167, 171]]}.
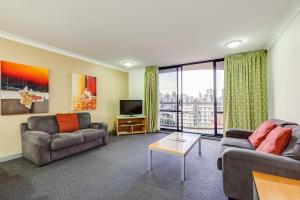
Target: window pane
{"points": [[198, 109], [168, 89]]}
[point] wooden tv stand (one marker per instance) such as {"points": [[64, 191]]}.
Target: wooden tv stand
{"points": [[131, 124]]}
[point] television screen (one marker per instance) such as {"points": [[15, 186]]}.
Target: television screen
{"points": [[131, 107]]}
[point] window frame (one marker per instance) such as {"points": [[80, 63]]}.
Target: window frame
{"points": [[179, 68]]}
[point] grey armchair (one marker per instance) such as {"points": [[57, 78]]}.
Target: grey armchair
{"points": [[237, 160]]}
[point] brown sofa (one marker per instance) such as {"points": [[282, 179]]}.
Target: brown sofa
{"points": [[237, 159], [42, 144]]}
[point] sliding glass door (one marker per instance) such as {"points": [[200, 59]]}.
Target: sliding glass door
{"points": [[198, 102], [191, 97]]}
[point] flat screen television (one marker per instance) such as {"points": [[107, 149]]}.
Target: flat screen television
{"points": [[131, 107]]}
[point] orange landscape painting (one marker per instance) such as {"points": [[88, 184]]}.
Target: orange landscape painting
{"points": [[24, 89]]}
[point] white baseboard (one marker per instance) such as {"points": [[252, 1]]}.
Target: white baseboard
{"points": [[11, 157]]}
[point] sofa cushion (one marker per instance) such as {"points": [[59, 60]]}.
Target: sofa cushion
{"points": [[84, 120], [91, 134], [276, 141], [236, 142], [67, 122], [64, 140], [46, 124], [261, 133]]}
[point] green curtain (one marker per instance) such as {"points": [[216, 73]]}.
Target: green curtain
{"points": [[151, 97], [245, 93]]}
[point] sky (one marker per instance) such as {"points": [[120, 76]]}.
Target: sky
{"points": [[194, 81]]}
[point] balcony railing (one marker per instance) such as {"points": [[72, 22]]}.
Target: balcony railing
{"points": [[199, 119]]}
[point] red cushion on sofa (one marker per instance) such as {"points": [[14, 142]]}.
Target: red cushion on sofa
{"points": [[67, 122], [261, 133], [276, 141]]}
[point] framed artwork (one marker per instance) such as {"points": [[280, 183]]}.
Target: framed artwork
{"points": [[24, 89], [84, 92]]}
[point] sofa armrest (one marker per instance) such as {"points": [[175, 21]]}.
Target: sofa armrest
{"points": [[24, 127], [238, 165], [101, 125], [238, 133], [37, 137], [36, 146]]}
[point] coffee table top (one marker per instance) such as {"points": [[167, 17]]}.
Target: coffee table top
{"points": [[170, 145]]}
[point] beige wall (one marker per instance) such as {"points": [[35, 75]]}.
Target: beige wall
{"points": [[112, 85], [136, 83], [284, 74]]}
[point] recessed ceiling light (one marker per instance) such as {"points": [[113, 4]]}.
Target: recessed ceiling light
{"points": [[128, 63], [234, 43]]}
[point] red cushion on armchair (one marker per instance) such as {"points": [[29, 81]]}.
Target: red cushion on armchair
{"points": [[261, 133], [276, 141]]}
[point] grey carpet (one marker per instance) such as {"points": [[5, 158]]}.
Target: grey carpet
{"points": [[116, 171]]}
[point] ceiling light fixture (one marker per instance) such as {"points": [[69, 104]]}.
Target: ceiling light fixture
{"points": [[233, 43], [128, 63]]}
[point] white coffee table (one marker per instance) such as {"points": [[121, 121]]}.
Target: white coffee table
{"points": [[171, 145]]}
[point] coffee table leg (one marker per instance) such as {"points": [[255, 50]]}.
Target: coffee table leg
{"points": [[199, 146], [150, 160], [183, 168]]}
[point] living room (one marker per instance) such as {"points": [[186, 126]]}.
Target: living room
{"points": [[149, 99]]}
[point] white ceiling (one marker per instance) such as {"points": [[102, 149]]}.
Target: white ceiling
{"points": [[160, 32]]}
